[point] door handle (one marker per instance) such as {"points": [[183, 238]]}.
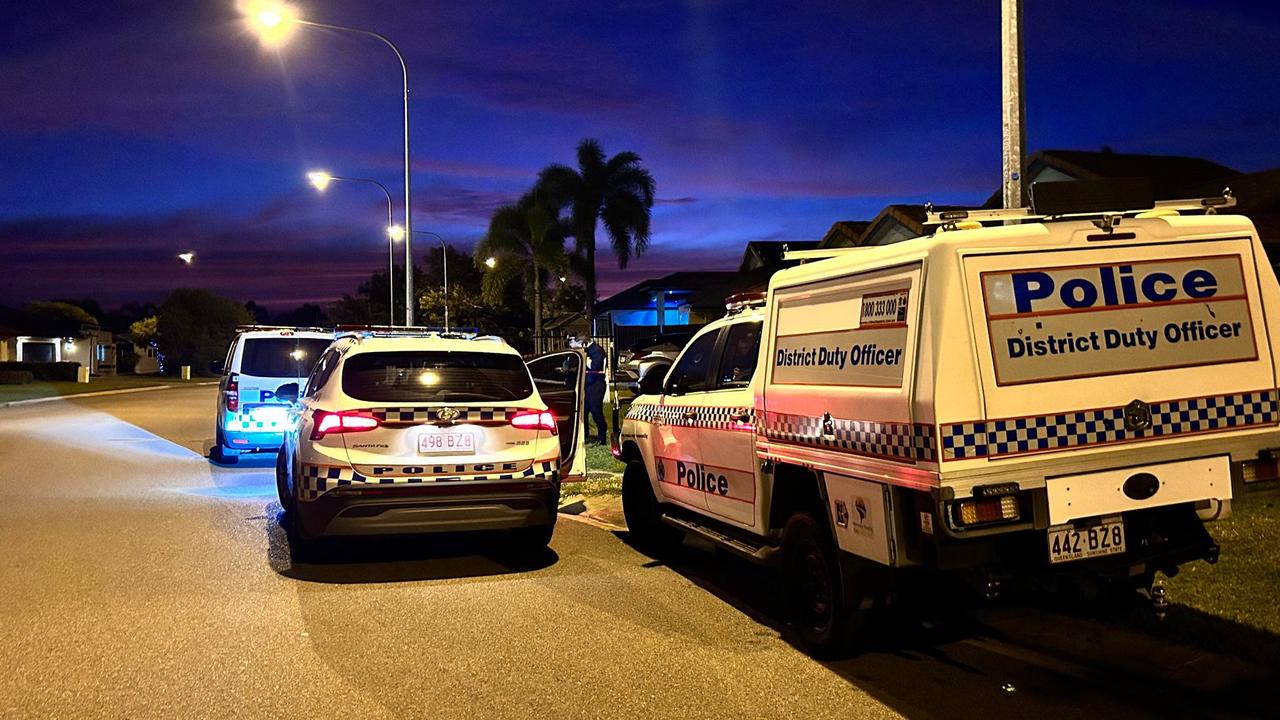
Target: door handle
{"points": [[689, 415]]}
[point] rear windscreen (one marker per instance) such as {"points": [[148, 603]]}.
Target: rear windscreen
{"points": [[435, 377], [281, 357]]}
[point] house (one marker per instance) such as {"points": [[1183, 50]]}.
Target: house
{"points": [[679, 300], [768, 253], [26, 337], [844, 233], [1172, 177]]}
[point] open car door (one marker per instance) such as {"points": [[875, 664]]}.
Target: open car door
{"points": [[560, 377]]}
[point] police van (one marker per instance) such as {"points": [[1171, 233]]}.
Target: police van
{"points": [[249, 416], [1062, 396]]}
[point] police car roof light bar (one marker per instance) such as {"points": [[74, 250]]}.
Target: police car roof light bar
{"points": [[741, 301], [295, 328]]}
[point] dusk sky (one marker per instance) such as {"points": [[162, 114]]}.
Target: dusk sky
{"points": [[130, 131]]}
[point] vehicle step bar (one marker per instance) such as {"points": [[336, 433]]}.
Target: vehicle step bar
{"points": [[755, 552]]}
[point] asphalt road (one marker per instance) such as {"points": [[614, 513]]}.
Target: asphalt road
{"points": [[139, 580]]}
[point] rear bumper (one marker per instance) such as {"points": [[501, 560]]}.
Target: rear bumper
{"points": [[411, 509], [253, 441], [1156, 539]]}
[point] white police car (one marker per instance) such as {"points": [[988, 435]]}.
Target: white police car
{"points": [[250, 418], [416, 431]]}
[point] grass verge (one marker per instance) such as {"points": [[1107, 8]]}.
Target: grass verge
{"points": [[31, 391], [1242, 585], [599, 458]]}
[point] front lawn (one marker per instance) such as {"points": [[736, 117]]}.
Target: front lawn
{"points": [[40, 389]]}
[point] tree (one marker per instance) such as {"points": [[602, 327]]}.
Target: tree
{"points": [[526, 239], [144, 331], [616, 191], [305, 315], [62, 318], [260, 314], [196, 327]]}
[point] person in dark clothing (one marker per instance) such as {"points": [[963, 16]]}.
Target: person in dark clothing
{"points": [[595, 386]]}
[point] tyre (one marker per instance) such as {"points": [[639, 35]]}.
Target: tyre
{"points": [[220, 452], [640, 509], [287, 500], [303, 548], [533, 538], [821, 617]]}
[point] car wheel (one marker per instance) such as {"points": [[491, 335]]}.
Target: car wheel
{"points": [[303, 547], [220, 452], [533, 538], [642, 513], [815, 599], [287, 500]]}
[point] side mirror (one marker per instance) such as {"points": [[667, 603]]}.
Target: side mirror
{"points": [[288, 392], [651, 383]]}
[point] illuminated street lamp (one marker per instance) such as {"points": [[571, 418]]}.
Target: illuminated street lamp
{"points": [[187, 257], [274, 22], [444, 260], [490, 262], [320, 180]]}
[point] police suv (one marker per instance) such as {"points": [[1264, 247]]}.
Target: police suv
{"points": [[249, 416], [1058, 399], [411, 431]]}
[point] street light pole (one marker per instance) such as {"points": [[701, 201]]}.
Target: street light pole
{"points": [[321, 180], [1014, 142], [444, 262], [272, 23]]}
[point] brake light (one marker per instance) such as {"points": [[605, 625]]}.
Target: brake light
{"points": [[980, 511], [330, 423], [232, 393], [535, 420]]}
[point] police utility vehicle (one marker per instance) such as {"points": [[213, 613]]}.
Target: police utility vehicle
{"points": [[1061, 397], [414, 431], [249, 416]]}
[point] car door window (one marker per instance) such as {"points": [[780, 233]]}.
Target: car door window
{"points": [[741, 353], [691, 373], [320, 373]]}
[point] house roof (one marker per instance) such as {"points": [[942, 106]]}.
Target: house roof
{"points": [[679, 285], [1257, 197], [1169, 174], [844, 233], [909, 216], [768, 253]]}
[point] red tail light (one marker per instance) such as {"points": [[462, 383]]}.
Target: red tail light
{"points": [[535, 420], [232, 392], [330, 423]]}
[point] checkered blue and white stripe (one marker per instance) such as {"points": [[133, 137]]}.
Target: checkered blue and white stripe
{"points": [[1093, 427], [905, 442], [425, 415], [317, 479], [712, 418]]}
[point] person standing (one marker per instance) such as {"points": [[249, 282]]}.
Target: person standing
{"points": [[595, 387]]}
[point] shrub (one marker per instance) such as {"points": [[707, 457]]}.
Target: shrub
{"points": [[16, 377], [64, 371]]}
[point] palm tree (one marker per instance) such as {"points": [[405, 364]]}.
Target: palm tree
{"points": [[526, 238], [616, 191]]}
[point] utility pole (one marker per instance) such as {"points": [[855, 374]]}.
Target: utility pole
{"points": [[1014, 144]]}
